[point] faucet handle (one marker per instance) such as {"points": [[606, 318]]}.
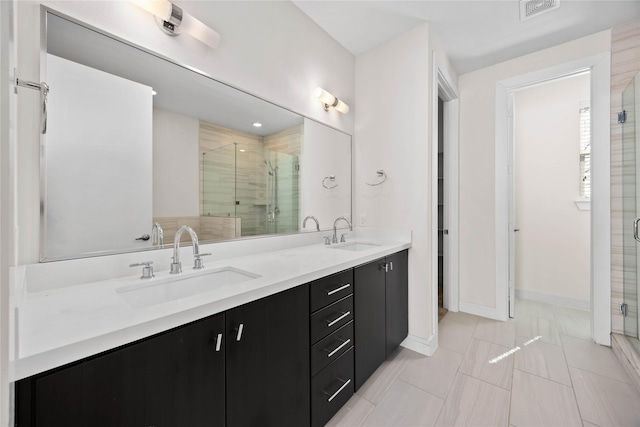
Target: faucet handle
{"points": [[327, 240], [197, 262], [342, 239], [147, 270]]}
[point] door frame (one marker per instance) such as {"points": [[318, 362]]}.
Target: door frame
{"points": [[444, 87], [600, 285]]}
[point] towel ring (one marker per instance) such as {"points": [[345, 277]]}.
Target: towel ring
{"points": [[381, 174], [331, 178]]}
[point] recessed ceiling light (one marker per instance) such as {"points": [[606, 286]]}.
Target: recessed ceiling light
{"points": [[257, 125], [242, 150]]}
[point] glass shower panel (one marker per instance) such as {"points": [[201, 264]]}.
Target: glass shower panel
{"points": [[282, 192], [219, 182], [631, 208], [250, 188]]}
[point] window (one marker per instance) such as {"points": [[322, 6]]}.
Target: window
{"points": [[585, 153]]}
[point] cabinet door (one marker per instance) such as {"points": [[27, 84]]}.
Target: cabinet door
{"points": [[369, 308], [268, 361], [397, 301], [113, 388], [50, 400], [185, 380]]}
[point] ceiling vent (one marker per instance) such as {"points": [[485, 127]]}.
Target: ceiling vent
{"points": [[530, 8]]}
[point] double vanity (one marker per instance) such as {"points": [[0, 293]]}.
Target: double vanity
{"points": [[114, 328], [281, 337]]}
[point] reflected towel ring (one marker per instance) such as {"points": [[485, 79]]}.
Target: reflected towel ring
{"points": [[331, 178], [381, 174]]}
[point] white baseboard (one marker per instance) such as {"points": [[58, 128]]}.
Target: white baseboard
{"points": [[553, 299], [481, 310], [420, 345]]}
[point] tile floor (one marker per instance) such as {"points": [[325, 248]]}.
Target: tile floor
{"points": [[558, 377]]}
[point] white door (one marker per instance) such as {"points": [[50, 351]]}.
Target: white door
{"points": [[99, 161]]}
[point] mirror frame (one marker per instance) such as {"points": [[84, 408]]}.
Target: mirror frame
{"points": [[44, 11]]}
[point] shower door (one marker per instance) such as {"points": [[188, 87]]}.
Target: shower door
{"points": [[283, 192], [631, 208]]}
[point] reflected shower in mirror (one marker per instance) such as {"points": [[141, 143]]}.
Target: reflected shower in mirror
{"points": [[135, 139]]}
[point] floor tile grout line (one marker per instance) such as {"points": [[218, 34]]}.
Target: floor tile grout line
{"points": [[573, 389]]}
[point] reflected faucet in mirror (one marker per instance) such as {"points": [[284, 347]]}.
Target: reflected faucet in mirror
{"points": [[335, 228], [304, 222], [176, 265], [157, 235]]}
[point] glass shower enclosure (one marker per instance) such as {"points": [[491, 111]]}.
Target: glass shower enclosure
{"points": [[631, 208], [257, 187]]}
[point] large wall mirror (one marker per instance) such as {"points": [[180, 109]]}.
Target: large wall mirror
{"points": [[134, 141]]}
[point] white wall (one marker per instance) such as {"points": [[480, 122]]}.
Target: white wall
{"points": [[477, 161], [553, 244], [325, 152], [393, 90], [7, 214], [270, 49], [176, 173]]}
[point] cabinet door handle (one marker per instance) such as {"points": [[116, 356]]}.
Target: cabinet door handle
{"points": [[337, 349], [391, 266], [239, 335], [384, 266], [338, 289], [219, 342], [333, 396], [330, 323]]}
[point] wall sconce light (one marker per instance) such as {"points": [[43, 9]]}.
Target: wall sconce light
{"points": [[329, 100], [174, 21]]}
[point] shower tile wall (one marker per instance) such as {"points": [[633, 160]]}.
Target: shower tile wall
{"points": [[625, 64], [222, 185]]}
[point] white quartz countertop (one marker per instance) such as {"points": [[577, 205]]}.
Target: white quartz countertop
{"points": [[59, 326]]}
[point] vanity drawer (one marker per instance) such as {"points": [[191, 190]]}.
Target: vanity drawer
{"points": [[331, 318], [330, 289], [331, 348], [331, 389]]}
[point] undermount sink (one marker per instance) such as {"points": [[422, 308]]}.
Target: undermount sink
{"points": [[356, 246], [149, 293]]}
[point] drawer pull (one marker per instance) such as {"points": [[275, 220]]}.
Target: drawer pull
{"points": [[338, 290], [339, 347], [330, 323], [218, 342], [333, 396], [240, 328]]}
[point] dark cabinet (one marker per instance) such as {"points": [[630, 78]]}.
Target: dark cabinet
{"points": [[332, 338], [268, 361], [381, 312], [397, 300], [185, 376], [369, 308], [173, 379]]}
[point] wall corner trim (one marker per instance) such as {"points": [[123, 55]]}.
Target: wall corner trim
{"points": [[421, 345]]}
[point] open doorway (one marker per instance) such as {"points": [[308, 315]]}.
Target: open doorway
{"points": [[445, 205], [442, 231], [550, 203]]}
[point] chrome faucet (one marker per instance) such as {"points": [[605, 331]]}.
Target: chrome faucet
{"points": [[176, 265], [157, 234], [304, 223], [335, 228]]}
